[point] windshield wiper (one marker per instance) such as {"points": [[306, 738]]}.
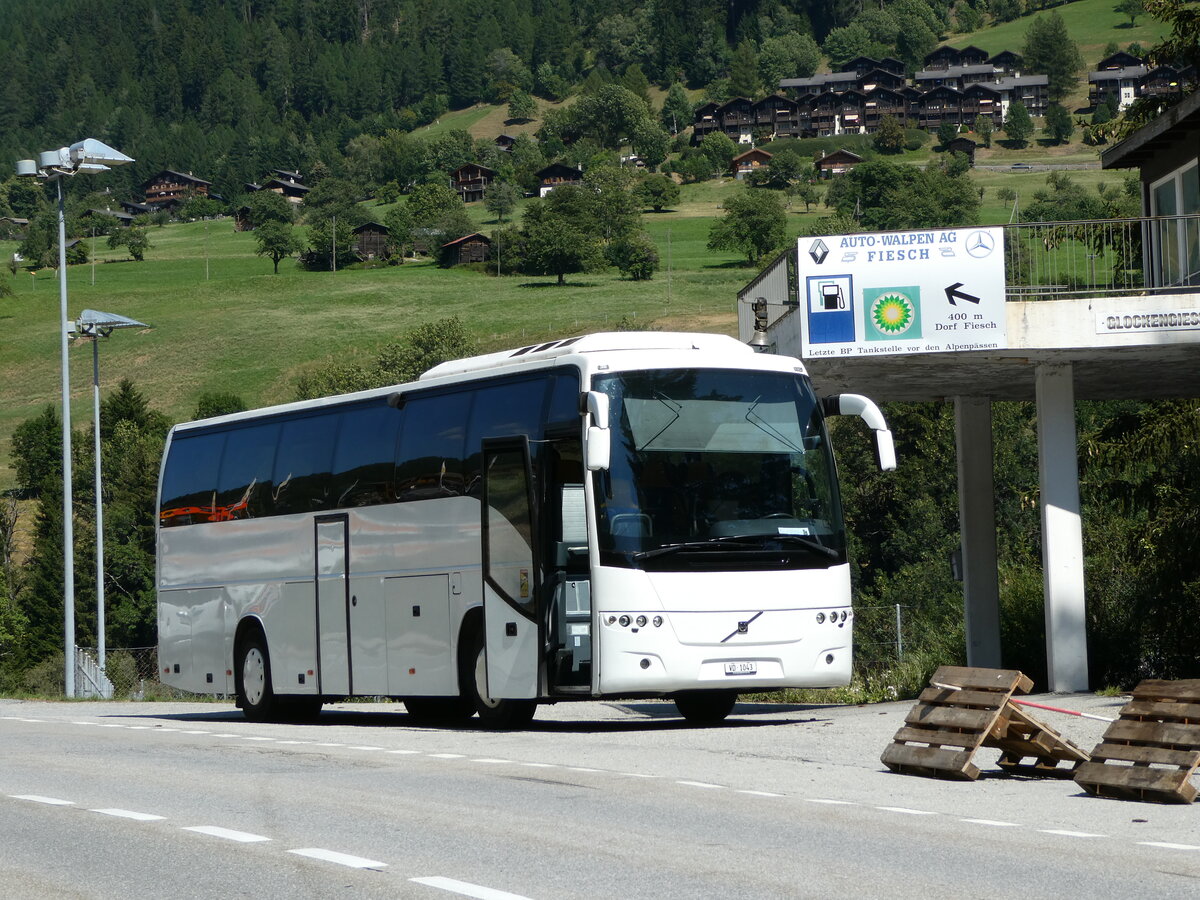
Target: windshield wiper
{"points": [[741, 542], [721, 543], [796, 540]]}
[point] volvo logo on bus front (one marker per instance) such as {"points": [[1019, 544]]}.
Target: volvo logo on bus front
{"points": [[743, 627]]}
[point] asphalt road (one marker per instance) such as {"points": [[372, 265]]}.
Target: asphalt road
{"points": [[594, 800]]}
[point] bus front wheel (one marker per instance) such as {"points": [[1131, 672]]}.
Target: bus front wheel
{"points": [[705, 707], [255, 695], [499, 714]]}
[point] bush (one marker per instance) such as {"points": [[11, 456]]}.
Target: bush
{"points": [[45, 678], [636, 256]]}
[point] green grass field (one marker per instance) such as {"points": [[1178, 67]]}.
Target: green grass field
{"points": [[223, 322]]}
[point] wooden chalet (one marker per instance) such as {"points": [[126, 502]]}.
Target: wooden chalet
{"points": [[1120, 60], [13, 228], [982, 100], [292, 191], [168, 189], [882, 102], [371, 241], [942, 104], [123, 219], [965, 146], [557, 174], [1124, 83], [877, 78], [745, 163], [505, 142], [1032, 90], [851, 113], [1008, 62], [471, 180], [470, 248], [778, 115], [837, 163], [136, 209]]}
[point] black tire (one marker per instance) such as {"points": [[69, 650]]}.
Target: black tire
{"points": [[705, 707], [500, 715], [255, 696], [438, 710]]}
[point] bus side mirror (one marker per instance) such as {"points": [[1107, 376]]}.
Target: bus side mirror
{"points": [[597, 449], [865, 409]]}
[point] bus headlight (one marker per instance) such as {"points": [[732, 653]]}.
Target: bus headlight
{"points": [[641, 621], [820, 618], [623, 621], [658, 620]]}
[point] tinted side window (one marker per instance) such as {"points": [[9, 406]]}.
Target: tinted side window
{"points": [[302, 480], [430, 460], [189, 482], [564, 399], [504, 410], [244, 485], [365, 459]]}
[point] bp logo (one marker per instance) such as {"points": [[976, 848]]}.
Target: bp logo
{"points": [[892, 313]]}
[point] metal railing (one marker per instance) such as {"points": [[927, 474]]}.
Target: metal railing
{"points": [[1094, 258]]}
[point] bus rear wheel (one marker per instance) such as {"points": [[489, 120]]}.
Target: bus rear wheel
{"points": [[705, 707], [255, 695], [498, 714]]}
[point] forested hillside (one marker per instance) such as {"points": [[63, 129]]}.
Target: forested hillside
{"points": [[232, 88]]}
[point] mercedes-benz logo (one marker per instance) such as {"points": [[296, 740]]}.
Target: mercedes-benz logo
{"points": [[980, 244]]}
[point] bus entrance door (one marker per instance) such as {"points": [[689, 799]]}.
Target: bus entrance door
{"points": [[333, 632], [510, 571]]}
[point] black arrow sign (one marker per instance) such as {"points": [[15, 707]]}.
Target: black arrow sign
{"points": [[953, 291]]}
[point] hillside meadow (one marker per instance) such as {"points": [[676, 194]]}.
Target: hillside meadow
{"points": [[222, 322]]}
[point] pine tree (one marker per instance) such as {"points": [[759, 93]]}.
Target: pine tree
{"points": [[1018, 126], [1050, 51], [743, 72]]}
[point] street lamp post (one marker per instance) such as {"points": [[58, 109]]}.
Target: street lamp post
{"points": [[97, 325], [87, 155]]}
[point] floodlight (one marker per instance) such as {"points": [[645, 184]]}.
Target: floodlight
{"points": [[94, 152], [91, 321], [54, 159], [27, 168]]}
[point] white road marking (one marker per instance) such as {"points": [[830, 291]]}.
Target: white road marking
{"points": [[208, 732], [761, 794], [362, 747], [636, 775], [582, 769], [467, 889], [829, 802], [329, 745], [700, 784], [488, 759], [447, 756], [37, 798], [992, 822], [130, 814], [109, 725], [907, 811], [405, 752], [342, 859], [1075, 834], [254, 737], [1168, 846], [241, 837], [295, 742], [215, 735], [535, 765], [139, 727]]}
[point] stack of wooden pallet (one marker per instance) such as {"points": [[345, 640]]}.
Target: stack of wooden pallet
{"points": [[1153, 748], [964, 709]]}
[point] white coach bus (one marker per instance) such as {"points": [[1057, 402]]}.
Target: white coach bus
{"points": [[616, 515]]}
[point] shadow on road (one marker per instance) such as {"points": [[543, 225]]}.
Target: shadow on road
{"points": [[647, 717]]}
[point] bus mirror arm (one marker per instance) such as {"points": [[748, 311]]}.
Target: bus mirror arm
{"points": [[865, 409]]}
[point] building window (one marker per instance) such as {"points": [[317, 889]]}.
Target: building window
{"points": [[1176, 240]]}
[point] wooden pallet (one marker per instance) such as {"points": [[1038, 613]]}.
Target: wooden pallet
{"points": [[1153, 748], [964, 709]]}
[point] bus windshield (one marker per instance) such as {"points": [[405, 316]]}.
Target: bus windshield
{"points": [[717, 468]]}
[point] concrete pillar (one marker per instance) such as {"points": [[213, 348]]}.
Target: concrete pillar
{"points": [[1062, 530], [977, 522]]}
